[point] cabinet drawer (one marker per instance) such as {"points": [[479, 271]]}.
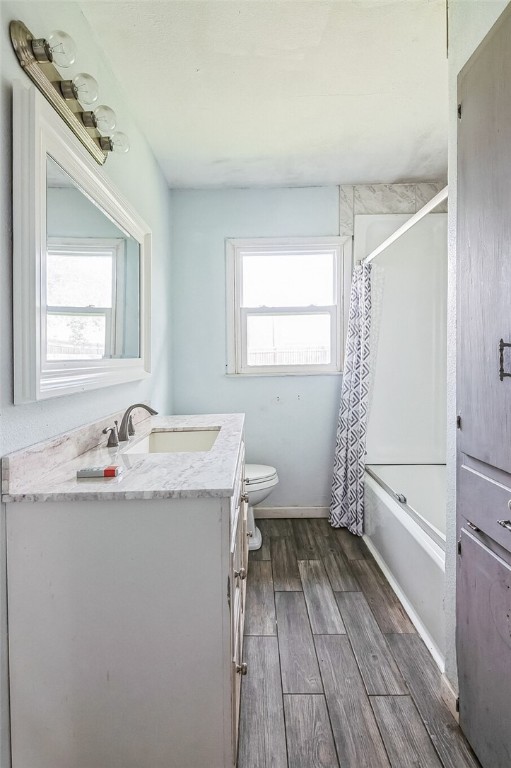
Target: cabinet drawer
{"points": [[236, 679], [486, 503]]}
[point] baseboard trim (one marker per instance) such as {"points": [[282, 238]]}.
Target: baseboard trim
{"points": [[412, 614], [262, 513], [449, 697]]}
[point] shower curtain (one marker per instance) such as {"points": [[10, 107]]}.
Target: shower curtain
{"points": [[347, 505]]}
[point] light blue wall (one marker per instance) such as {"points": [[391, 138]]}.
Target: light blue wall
{"points": [[139, 179], [290, 420], [69, 213]]}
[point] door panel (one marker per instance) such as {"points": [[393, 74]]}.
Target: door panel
{"points": [[484, 249], [484, 397], [484, 651]]}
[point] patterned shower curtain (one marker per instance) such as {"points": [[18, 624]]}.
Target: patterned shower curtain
{"points": [[347, 506]]}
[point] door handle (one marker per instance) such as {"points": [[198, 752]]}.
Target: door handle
{"points": [[505, 524]]}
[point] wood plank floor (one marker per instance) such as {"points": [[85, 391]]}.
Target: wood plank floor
{"points": [[346, 682]]}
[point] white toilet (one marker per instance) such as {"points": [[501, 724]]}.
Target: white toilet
{"points": [[259, 481]]}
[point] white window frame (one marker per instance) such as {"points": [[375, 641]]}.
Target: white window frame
{"points": [[237, 315], [88, 246]]}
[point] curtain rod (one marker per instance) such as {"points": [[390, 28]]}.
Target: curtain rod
{"points": [[442, 195]]}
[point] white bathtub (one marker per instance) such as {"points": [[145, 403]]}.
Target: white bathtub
{"points": [[407, 539]]}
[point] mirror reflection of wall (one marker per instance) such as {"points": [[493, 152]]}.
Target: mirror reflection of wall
{"points": [[90, 278]]}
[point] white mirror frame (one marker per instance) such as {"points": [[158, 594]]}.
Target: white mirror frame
{"points": [[37, 132]]}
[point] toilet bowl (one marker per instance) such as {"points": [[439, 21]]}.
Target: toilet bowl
{"points": [[259, 481]]}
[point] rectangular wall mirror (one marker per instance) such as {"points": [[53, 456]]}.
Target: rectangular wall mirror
{"points": [[81, 265]]}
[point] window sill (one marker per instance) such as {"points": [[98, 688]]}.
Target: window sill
{"points": [[275, 374]]}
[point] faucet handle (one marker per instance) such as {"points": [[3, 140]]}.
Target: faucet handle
{"points": [[113, 436]]}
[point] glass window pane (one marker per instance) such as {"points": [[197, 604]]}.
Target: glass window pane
{"points": [[288, 280], [75, 337], [78, 281], [288, 340]]}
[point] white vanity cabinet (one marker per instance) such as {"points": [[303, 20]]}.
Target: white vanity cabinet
{"points": [[125, 630]]}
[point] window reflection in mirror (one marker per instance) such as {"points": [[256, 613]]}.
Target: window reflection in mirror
{"points": [[90, 278]]}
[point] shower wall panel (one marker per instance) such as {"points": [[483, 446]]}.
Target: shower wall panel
{"points": [[407, 421]]}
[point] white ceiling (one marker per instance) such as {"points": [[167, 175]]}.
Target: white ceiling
{"points": [[283, 92]]}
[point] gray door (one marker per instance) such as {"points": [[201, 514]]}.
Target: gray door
{"points": [[484, 651], [484, 397], [484, 249]]}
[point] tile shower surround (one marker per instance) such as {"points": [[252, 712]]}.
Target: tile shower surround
{"points": [[384, 198]]}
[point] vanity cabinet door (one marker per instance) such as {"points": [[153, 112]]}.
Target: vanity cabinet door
{"points": [[238, 670], [238, 582], [234, 582]]}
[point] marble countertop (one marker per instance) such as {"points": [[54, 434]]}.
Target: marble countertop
{"points": [[144, 476]]}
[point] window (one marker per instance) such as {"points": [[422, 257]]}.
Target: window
{"points": [[286, 305], [83, 279]]}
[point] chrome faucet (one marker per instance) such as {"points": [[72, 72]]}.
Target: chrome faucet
{"points": [[126, 429]]}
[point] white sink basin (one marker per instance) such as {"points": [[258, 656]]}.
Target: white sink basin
{"points": [[176, 441]]}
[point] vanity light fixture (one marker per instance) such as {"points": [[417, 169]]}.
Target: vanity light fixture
{"points": [[39, 58]]}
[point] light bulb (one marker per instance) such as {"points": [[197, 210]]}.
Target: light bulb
{"points": [[83, 88], [58, 48], [103, 118], [119, 142], [62, 47]]}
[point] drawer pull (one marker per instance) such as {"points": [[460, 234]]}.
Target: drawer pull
{"points": [[242, 669], [471, 525], [250, 534], [505, 524], [241, 574], [244, 498], [502, 346]]}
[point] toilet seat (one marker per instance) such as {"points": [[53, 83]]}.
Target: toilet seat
{"points": [[260, 476]]}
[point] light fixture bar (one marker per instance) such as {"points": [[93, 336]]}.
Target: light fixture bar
{"points": [[47, 79]]}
